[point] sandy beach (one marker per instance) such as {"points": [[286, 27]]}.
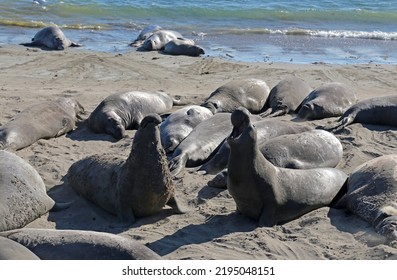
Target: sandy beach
{"points": [[211, 229]]}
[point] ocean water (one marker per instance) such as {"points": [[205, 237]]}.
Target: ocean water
{"points": [[338, 32]]}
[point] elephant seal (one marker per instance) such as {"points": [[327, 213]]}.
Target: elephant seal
{"points": [[201, 143], [328, 100], [159, 39], [41, 121], [23, 196], [376, 110], [11, 250], [54, 244], [144, 34], [249, 93], [121, 111], [266, 129], [269, 194], [138, 186], [52, 38], [183, 47], [285, 97], [180, 123], [304, 150], [372, 194]]}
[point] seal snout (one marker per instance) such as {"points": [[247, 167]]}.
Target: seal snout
{"points": [[240, 120], [152, 118]]}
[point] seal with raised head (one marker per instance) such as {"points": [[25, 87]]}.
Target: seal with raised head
{"points": [[55, 244], [138, 186], [376, 110], [248, 93], [159, 39], [372, 194], [269, 194], [41, 121], [183, 47], [180, 123], [52, 38], [23, 196], [121, 111], [328, 100], [285, 97], [266, 130]]}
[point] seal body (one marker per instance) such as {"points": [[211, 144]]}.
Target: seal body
{"points": [[41, 121], [376, 110], [144, 34], [121, 111], [266, 130], [183, 47], [51, 37], [50, 244], [23, 196], [138, 186], [249, 93], [11, 250], [201, 143], [372, 194], [178, 125], [269, 194], [328, 100], [305, 150], [285, 97], [159, 39]]}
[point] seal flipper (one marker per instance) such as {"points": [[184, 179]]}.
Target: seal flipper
{"points": [[177, 164], [73, 44], [266, 113], [173, 203], [58, 206]]}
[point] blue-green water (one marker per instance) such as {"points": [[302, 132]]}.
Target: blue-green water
{"points": [[251, 30]]}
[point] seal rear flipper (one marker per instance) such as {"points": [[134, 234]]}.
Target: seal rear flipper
{"points": [[175, 205], [266, 113], [58, 206], [73, 44]]}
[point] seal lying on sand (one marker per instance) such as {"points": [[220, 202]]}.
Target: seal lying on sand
{"points": [[138, 186], [249, 93], [41, 121], [121, 111], [23, 196], [50, 244], [180, 123], [266, 130], [377, 110], [372, 194], [328, 100], [269, 194], [285, 97], [51, 37], [11, 250], [183, 47], [159, 39], [144, 34]]}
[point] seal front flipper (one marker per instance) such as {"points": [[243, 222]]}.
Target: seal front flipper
{"points": [[176, 206], [58, 206], [177, 164]]}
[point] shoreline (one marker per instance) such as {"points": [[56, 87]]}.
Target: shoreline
{"points": [[211, 229]]}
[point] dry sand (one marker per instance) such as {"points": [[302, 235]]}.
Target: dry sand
{"points": [[211, 229]]}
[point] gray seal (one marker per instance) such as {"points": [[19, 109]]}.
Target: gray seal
{"points": [[328, 100], [372, 194], [266, 129], [183, 47], [178, 125], [41, 121], [285, 97], [55, 244], [138, 186], [269, 194], [23, 196], [52, 38], [121, 111], [376, 110], [249, 93], [159, 39]]}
